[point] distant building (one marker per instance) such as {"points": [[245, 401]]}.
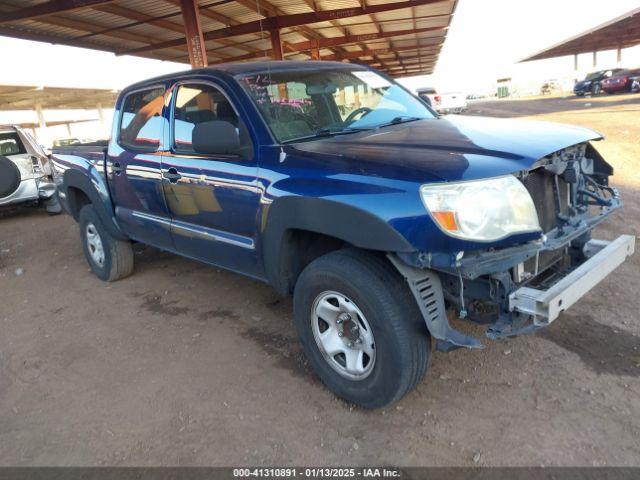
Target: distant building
{"points": [[504, 87]]}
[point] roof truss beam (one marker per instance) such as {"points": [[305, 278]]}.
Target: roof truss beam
{"points": [[286, 21], [327, 42], [424, 49], [49, 8]]}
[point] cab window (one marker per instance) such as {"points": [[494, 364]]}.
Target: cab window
{"points": [[141, 122], [203, 107]]}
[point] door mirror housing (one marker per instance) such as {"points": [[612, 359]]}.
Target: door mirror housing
{"points": [[216, 137]]}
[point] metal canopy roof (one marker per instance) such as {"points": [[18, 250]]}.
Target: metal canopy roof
{"points": [[22, 97], [621, 32], [400, 37]]}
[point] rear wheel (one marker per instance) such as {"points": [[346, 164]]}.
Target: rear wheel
{"points": [[109, 258], [361, 328]]}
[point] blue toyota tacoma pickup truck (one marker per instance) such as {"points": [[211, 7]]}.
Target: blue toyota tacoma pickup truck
{"points": [[333, 183]]}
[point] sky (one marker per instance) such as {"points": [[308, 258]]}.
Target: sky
{"points": [[486, 39]]}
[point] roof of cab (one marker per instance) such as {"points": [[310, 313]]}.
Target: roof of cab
{"points": [[247, 68]]}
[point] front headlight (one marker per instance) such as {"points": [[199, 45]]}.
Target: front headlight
{"points": [[482, 210]]}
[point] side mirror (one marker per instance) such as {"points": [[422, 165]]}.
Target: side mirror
{"points": [[216, 137]]}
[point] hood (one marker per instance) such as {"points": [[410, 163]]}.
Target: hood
{"points": [[448, 148]]}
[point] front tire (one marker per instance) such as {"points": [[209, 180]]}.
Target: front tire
{"points": [[109, 258], [361, 328]]}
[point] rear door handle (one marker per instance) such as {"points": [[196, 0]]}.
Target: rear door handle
{"points": [[172, 175], [116, 168]]}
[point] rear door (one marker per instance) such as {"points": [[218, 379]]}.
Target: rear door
{"points": [[133, 167], [212, 196]]}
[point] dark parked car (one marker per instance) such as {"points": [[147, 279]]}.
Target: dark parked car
{"points": [[624, 81], [373, 211], [593, 82]]}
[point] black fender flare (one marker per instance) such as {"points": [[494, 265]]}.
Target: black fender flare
{"points": [[78, 180], [345, 222]]}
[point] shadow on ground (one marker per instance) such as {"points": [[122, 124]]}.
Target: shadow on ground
{"points": [[602, 348]]}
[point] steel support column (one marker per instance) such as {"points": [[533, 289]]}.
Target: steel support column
{"points": [[41, 122], [276, 45], [193, 33]]}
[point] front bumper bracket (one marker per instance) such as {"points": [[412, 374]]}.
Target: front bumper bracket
{"points": [[545, 305]]}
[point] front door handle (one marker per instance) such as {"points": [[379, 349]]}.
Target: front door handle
{"points": [[116, 168], [172, 175]]}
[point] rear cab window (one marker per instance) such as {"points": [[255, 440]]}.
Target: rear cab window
{"points": [[10, 144], [141, 121]]}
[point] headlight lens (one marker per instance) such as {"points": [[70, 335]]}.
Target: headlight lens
{"points": [[483, 210]]}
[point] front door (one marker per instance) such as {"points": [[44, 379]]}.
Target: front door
{"points": [[133, 168], [211, 193]]}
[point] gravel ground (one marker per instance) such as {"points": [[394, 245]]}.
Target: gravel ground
{"points": [[183, 364]]}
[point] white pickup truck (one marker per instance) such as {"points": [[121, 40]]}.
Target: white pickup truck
{"points": [[25, 171], [443, 102]]}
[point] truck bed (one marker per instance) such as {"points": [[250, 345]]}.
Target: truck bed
{"points": [[94, 151]]}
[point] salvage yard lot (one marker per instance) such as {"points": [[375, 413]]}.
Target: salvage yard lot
{"points": [[183, 364]]}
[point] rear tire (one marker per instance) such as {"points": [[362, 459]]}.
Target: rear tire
{"points": [[375, 298], [109, 258]]}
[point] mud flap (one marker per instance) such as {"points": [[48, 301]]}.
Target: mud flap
{"points": [[427, 290]]}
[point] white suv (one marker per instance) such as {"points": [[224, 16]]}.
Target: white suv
{"points": [[25, 170]]}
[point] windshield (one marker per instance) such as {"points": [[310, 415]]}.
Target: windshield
{"points": [[594, 75], [310, 103]]}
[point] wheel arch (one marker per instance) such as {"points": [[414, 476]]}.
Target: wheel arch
{"points": [[296, 230], [80, 191]]}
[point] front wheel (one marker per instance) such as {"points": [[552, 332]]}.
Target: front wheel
{"points": [[361, 328], [109, 258]]}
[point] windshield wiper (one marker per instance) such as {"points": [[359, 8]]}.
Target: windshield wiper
{"points": [[326, 132], [398, 120]]}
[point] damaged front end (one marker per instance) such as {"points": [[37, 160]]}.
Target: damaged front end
{"points": [[521, 288]]}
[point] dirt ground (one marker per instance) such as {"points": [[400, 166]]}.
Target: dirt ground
{"points": [[183, 364]]}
